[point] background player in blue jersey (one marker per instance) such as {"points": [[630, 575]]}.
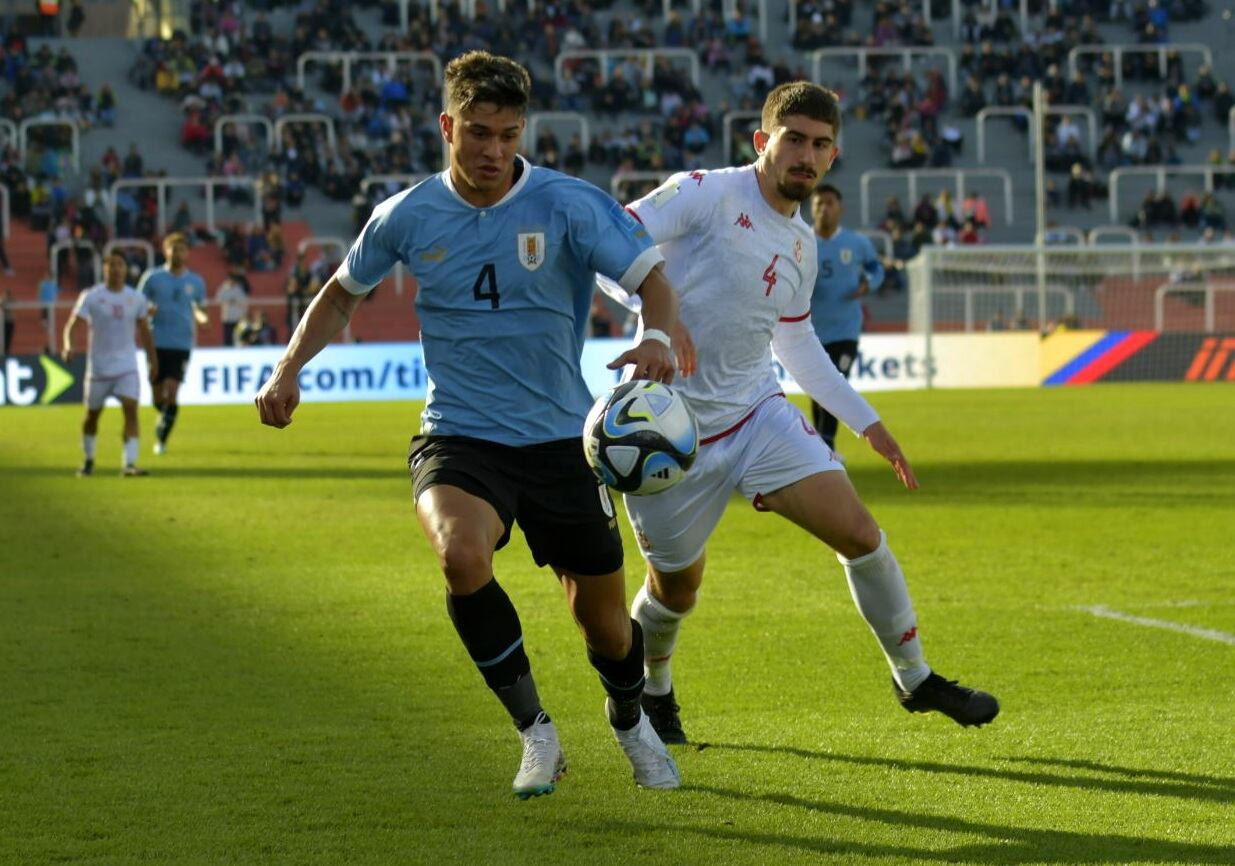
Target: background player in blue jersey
{"points": [[505, 257], [848, 270], [179, 298]]}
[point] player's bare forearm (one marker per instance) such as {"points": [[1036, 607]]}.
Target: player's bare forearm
{"points": [[200, 315], [66, 348], [660, 313], [324, 320], [152, 356]]}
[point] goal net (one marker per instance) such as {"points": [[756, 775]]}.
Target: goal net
{"points": [[1164, 313]]}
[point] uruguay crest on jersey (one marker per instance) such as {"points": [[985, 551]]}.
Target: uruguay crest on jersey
{"points": [[532, 250]]}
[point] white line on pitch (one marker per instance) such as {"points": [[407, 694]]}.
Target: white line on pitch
{"points": [[1196, 631]]}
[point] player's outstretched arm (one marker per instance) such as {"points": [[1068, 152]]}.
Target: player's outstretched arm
{"points": [[663, 334], [885, 446], [326, 317]]}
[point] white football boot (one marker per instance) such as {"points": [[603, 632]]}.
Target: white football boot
{"points": [[653, 765], [543, 762]]}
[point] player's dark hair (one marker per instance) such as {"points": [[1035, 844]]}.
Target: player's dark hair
{"points": [[479, 76], [829, 188], [804, 98]]}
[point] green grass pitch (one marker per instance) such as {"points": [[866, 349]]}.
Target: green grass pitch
{"points": [[245, 658]]}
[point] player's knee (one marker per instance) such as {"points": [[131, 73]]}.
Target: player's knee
{"points": [[677, 591], [464, 563], [863, 537], [608, 636]]}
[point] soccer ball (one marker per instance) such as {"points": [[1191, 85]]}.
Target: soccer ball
{"points": [[640, 438]]}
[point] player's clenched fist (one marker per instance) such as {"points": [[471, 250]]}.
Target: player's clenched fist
{"points": [[278, 399]]}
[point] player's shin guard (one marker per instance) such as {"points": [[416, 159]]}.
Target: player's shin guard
{"points": [[878, 587], [660, 635], [490, 630], [623, 680], [166, 422]]}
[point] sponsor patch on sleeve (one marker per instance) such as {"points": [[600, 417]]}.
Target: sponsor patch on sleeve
{"points": [[665, 194]]}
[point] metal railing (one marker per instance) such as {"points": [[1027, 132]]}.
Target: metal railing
{"points": [[1020, 111], [23, 136], [11, 136], [1160, 172], [306, 117], [959, 175], [1208, 289], [536, 118], [4, 212], [1017, 293], [347, 58], [881, 237], [161, 185], [406, 181], [1099, 232], [905, 53], [239, 120], [1118, 52], [53, 257], [730, 117], [624, 177], [145, 246], [646, 56], [1057, 236]]}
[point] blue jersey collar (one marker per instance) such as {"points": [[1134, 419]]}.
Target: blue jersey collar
{"points": [[514, 190]]}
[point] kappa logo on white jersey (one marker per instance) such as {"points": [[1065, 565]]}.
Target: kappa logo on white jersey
{"points": [[532, 250], [744, 221]]}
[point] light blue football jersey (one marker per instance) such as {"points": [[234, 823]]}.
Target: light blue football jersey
{"points": [[174, 325], [504, 296], [843, 260]]}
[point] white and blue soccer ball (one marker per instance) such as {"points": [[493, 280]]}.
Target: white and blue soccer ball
{"points": [[640, 437]]}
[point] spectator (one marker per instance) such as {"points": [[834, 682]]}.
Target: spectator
{"points": [[301, 289], [256, 330], [1080, 187], [233, 303], [77, 17], [975, 208]]}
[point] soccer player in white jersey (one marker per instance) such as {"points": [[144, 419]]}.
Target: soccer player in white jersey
{"points": [[114, 312], [505, 256], [744, 263]]}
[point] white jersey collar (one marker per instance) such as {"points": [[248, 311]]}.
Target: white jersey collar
{"points": [[788, 220], [514, 190]]}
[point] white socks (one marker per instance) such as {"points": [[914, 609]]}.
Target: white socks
{"points": [[660, 633], [878, 588], [87, 445], [130, 451]]}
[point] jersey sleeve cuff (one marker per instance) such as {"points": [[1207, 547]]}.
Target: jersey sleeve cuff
{"points": [[639, 269], [350, 283]]}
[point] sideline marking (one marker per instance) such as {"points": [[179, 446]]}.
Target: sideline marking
{"points": [[1196, 631]]}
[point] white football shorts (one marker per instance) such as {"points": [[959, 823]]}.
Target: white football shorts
{"points": [[770, 449], [126, 386]]}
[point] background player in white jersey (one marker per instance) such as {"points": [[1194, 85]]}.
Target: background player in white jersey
{"points": [[114, 312], [744, 263], [505, 256]]}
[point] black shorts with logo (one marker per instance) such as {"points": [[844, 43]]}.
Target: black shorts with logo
{"points": [[172, 363], [566, 515]]}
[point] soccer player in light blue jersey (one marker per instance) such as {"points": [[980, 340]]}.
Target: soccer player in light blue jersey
{"points": [[178, 296], [848, 271], [505, 256]]}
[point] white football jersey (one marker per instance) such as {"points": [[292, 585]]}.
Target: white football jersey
{"points": [[112, 317], [739, 268]]}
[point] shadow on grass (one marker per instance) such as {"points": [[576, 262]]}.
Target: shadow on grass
{"points": [[1217, 789], [1091, 482], [1003, 843]]}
